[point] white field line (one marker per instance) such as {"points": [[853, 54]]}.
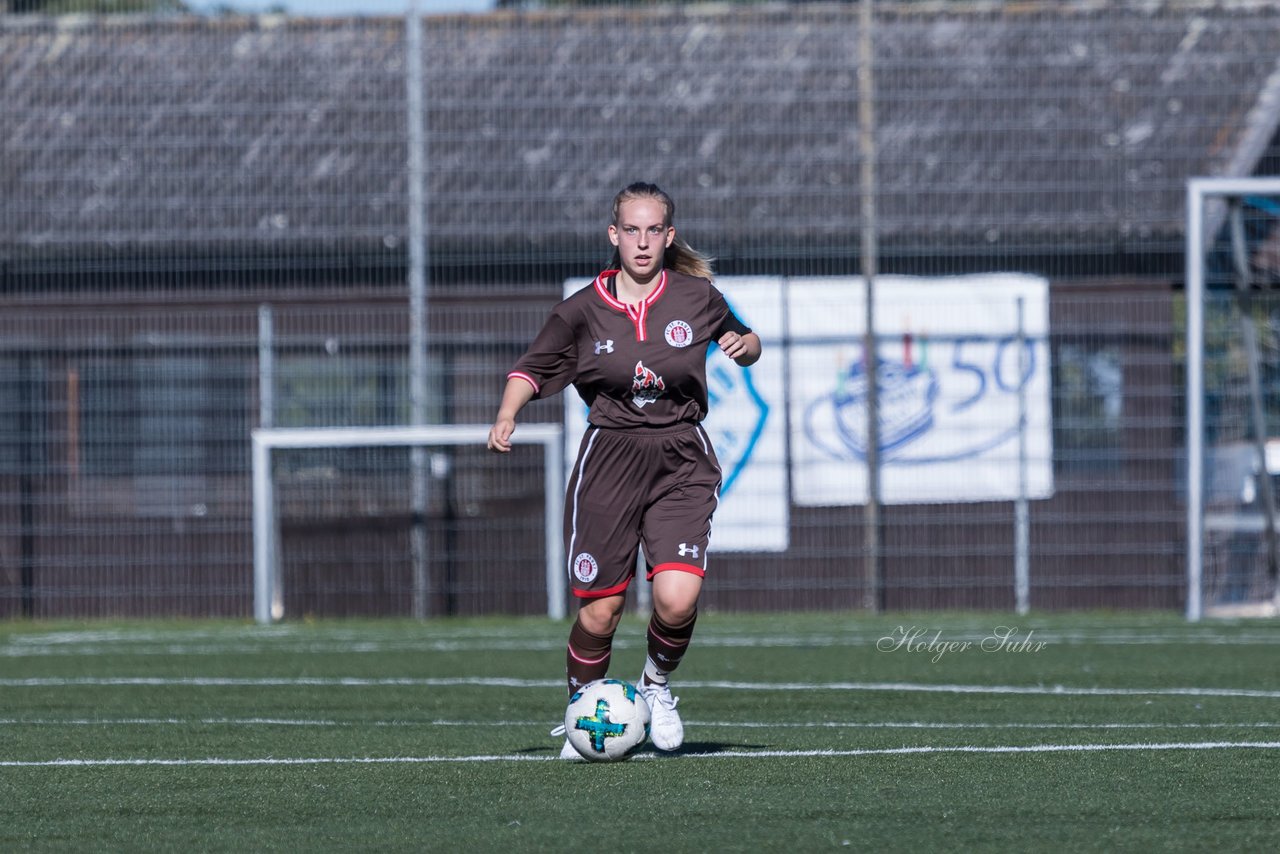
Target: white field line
{"points": [[273, 642], [291, 639], [289, 647], [357, 724], [728, 754], [505, 682], [281, 681]]}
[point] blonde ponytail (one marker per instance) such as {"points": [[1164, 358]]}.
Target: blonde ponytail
{"points": [[683, 258]]}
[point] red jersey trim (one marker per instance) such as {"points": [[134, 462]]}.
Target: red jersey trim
{"points": [[603, 291], [639, 313], [677, 567], [521, 375], [638, 316], [600, 594]]}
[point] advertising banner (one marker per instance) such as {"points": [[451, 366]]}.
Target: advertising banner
{"points": [[962, 392]]}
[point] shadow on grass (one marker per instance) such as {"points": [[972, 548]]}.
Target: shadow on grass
{"points": [[539, 749], [689, 747]]}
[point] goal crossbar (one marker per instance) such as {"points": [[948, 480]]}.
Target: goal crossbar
{"points": [[268, 594]]}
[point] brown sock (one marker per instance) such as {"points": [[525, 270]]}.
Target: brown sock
{"points": [[667, 645], [587, 657]]}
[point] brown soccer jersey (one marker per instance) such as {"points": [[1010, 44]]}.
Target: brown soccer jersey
{"points": [[635, 366]]}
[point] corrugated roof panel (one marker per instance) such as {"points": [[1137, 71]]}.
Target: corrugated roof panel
{"points": [[993, 124]]}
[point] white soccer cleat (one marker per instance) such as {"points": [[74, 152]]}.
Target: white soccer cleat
{"points": [[568, 752], [666, 730]]}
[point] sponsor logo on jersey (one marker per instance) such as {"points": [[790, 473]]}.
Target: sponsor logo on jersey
{"points": [[585, 568], [646, 386], [604, 346], [678, 334]]}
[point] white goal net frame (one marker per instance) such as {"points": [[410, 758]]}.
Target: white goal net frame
{"points": [[1204, 221], [268, 585]]}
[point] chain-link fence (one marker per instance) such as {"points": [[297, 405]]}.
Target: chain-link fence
{"points": [[207, 225]]}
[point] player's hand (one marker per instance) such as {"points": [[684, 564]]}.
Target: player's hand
{"points": [[732, 345], [743, 349], [500, 435]]}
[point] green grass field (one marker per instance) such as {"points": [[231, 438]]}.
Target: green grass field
{"points": [[1090, 732]]}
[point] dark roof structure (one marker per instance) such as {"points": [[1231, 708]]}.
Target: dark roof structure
{"points": [[1069, 127]]}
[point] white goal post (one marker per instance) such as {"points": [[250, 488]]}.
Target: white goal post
{"points": [[268, 594], [1203, 225]]}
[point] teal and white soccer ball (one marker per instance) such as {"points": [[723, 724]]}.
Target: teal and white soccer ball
{"points": [[607, 720]]}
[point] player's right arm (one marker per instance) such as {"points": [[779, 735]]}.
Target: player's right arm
{"points": [[518, 392], [545, 369]]}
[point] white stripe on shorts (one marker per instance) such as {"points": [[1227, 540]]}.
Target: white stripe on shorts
{"points": [[573, 537]]}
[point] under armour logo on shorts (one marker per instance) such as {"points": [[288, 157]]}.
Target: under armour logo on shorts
{"points": [[688, 551]]}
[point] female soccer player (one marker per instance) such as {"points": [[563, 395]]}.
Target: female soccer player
{"points": [[634, 345]]}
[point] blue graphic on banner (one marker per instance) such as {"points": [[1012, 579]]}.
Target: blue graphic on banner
{"points": [[907, 398], [731, 386]]}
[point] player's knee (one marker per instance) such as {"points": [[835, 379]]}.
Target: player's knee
{"points": [[675, 609], [677, 616], [675, 597], [601, 616]]}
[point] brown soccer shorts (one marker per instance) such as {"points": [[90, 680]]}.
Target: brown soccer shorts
{"points": [[652, 487]]}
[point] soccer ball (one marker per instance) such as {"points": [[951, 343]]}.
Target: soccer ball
{"points": [[606, 720]]}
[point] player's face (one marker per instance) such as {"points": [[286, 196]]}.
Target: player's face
{"points": [[642, 237]]}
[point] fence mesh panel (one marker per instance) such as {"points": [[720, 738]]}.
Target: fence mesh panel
{"points": [[205, 228]]}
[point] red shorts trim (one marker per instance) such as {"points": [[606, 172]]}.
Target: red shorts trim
{"points": [[678, 567], [600, 594]]}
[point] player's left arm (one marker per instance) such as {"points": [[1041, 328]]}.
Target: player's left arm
{"points": [[744, 349], [734, 337]]}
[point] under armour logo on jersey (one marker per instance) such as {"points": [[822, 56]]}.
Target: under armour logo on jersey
{"points": [[688, 551], [604, 346]]}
